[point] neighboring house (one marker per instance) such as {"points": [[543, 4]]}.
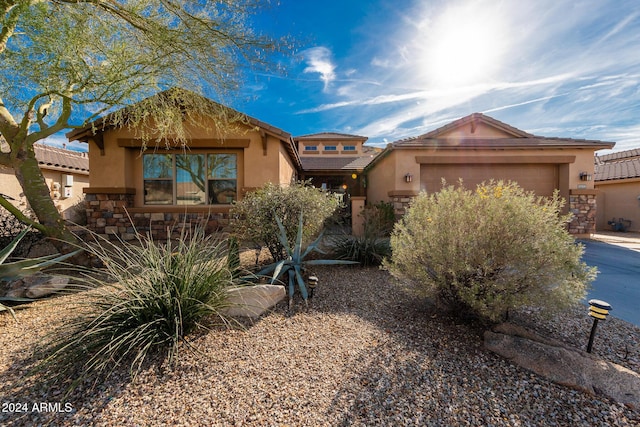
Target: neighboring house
{"points": [[617, 180], [478, 148], [66, 173], [159, 188]]}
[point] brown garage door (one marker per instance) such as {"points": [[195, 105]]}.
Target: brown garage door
{"points": [[539, 178]]}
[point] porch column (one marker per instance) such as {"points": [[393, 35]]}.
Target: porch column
{"points": [[357, 221]]}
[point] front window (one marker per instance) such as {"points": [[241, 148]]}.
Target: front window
{"points": [[349, 148], [223, 180], [330, 148], [158, 179], [190, 179], [310, 148]]}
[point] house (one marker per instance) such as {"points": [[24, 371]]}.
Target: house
{"points": [[161, 186], [158, 187], [66, 173], [617, 180], [477, 148]]}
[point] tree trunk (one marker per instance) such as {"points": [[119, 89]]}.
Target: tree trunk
{"points": [[37, 193]]}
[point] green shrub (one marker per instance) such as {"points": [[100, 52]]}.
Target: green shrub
{"points": [[255, 214], [148, 298], [373, 245], [486, 251]]}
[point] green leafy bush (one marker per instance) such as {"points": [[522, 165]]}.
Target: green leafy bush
{"points": [[255, 215], [486, 251], [148, 298], [373, 245]]}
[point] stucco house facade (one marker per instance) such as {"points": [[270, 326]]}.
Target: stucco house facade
{"points": [[137, 188], [617, 180], [160, 187], [66, 174], [477, 148]]}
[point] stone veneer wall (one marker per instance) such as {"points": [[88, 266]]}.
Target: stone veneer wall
{"points": [[582, 204], [108, 216]]}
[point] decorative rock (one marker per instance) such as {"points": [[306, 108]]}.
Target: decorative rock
{"points": [[565, 366], [252, 301], [37, 286]]}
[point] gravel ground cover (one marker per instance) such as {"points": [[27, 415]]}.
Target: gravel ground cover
{"points": [[368, 352]]}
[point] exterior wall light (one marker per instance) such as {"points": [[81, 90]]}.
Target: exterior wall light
{"points": [[584, 176], [599, 310], [408, 177]]}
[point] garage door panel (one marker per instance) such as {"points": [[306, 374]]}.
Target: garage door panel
{"points": [[541, 179]]}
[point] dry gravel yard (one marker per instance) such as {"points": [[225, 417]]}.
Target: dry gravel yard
{"points": [[368, 352]]}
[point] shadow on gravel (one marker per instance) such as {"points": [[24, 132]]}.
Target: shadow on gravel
{"points": [[429, 368]]}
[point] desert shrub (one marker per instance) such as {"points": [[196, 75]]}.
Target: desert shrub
{"points": [[486, 251], [255, 215], [146, 300], [373, 245]]}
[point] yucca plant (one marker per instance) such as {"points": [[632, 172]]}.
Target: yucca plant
{"points": [[149, 299], [294, 267], [17, 269]]}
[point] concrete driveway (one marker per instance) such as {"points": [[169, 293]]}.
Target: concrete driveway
{"points": [[617, 256]]}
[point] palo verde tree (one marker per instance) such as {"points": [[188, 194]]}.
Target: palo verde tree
{"points": [[65, 59]]}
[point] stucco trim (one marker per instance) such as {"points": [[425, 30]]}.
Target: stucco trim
{"points": [[487, 159], [402, 193], [193, 143], [179, 209], [109, 190], [617, 181], [583, 191]]}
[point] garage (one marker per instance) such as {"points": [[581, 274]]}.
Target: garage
{"points": [[542, 179]]}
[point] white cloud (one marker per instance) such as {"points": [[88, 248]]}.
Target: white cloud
{"points": [[318, 60]]}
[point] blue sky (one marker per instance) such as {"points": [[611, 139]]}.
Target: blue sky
{"points": [[391, 69]]}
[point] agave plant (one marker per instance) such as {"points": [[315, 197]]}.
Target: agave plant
{"points": [[22, 268], [294, 267]]}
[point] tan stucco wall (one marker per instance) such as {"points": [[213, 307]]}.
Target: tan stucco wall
{"points": [[287, 169], [119, 167], [387, 175], [9, 186], [618, 199]]}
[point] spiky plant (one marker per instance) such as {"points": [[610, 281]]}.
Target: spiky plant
{"points": [[22, 268], [150, 298], [292, 269]]}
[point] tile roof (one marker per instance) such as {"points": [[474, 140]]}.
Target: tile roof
{"points": [[335, 163], [329, 135], [531, 142], [518, 139], [477, 117], [61, 159], [619, 165], [618, 170], [620, 155], [103, 123]]}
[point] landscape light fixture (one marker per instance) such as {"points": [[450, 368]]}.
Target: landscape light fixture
{"points": [[599, 310]]}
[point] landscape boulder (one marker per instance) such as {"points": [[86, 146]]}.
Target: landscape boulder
{"points": [[565, 365], [253, 301], [36, 286]]}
